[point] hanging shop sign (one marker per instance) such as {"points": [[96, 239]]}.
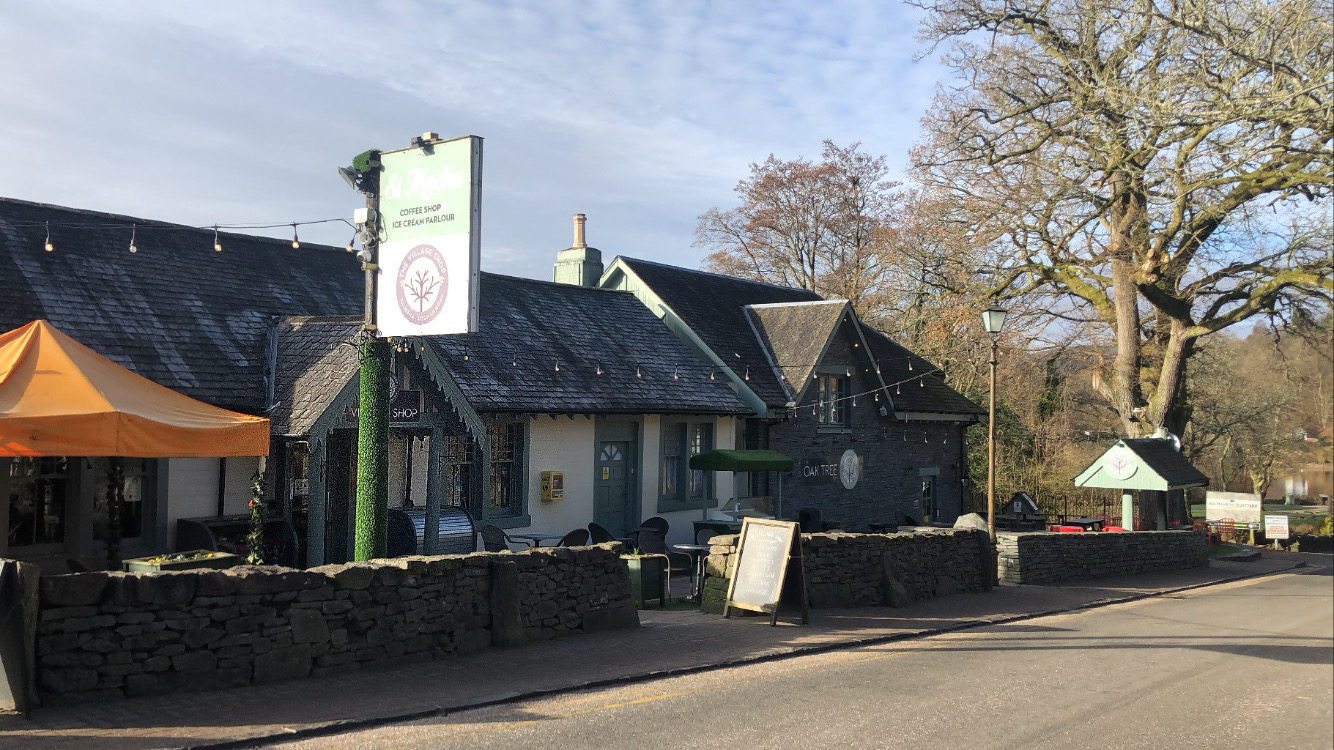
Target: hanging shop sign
{"points": [[430, 229]]}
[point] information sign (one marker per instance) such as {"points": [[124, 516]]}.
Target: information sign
{"points": [[1237, 508], [429, 255], [765, 552], [1276, 527]]}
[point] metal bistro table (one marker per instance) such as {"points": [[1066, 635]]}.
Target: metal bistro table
{"points": [[697, 554], [537, 539], [1088, 524]]}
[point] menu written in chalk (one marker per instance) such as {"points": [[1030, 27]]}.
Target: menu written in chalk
{"points": [[764, 550]]}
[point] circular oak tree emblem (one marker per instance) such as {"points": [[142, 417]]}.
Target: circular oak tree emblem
{"points": [[849, 469], [423, 282]]}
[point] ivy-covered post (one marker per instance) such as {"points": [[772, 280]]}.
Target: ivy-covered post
{"points": [[373, 450], [115, 506], [255, 539]]}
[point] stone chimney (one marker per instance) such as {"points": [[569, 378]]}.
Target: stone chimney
{"points": [[578, 264]]}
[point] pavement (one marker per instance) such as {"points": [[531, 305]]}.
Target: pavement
{"points": [[668, 642]]}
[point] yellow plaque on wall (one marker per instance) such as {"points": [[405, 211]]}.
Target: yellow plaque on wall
{"points": [[552, 486]]}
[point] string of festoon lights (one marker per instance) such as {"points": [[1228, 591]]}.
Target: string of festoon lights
{"points": [[405, 345], [132, 228]]}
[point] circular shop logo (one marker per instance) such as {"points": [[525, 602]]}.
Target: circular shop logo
{"points": [[849, 469], [423, 282]]}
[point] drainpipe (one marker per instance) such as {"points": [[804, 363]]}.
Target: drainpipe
{"points": [[222, 484]]}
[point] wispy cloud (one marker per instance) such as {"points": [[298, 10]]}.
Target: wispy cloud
{"points": [[641, 115]]}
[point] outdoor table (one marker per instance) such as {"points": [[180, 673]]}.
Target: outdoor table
{"points": [[697, 554], [1088, 524], [537, 539]]}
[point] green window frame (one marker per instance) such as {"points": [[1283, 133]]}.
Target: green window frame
{"points": [[679, 486], [832, 410]]}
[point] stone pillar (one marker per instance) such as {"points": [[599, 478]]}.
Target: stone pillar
{"points": [[1127, 511]]}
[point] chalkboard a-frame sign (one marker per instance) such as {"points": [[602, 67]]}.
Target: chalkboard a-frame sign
{"points": [[768, 553]]}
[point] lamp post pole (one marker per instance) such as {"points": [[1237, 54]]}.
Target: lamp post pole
{"points": [[993, 320], [991, 446]]}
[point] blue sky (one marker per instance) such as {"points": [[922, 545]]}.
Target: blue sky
{"points": [[640, 115]]}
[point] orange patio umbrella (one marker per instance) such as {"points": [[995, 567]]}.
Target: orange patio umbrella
{"points": [[60, 398]]}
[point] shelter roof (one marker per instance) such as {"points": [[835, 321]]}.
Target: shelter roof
{"points": [[175, 311], [1141, 464]]}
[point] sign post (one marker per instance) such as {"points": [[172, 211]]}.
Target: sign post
{"points": [[421, 252], [1276, 528]]}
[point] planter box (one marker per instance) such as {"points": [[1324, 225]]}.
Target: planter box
{"points": [[648, 578], [181, 561]]}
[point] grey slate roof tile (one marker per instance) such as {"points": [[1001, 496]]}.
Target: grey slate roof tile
{"points": [[529, 327], [176, 312], [795, 334], [915, 394], [711, 304], [1162, 456]]}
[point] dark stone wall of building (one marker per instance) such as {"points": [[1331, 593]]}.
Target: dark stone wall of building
{"points": [[892, 452]]}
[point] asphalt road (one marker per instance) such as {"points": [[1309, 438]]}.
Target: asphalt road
{"points": [[1247, 664]]}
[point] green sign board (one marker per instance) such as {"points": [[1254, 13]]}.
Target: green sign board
{"points": [[430, 214]]}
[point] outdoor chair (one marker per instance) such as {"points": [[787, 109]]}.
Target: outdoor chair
{"points": [[598, 534], [657, 523], [650, 543], [576, 538], [494, 539], [401, 535]]}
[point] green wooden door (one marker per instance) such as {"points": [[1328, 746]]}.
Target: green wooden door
{"points": [[612, 496]]}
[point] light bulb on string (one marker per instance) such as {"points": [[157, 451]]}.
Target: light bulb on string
{"points": [[898, 389], [133, 249], [747, 372], [910, 365], [47, 246], [352, 243], [465, 352], [638, 373], [675, 374], [557, 365], [711, 377], [296, 241], [599, 368], [514, 360], [921, 383], [217, 246]]}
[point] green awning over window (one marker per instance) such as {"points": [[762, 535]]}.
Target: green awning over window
{"points": [[737, 460]]}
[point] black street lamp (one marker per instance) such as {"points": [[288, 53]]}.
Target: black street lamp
{"points": [[993, 320]]}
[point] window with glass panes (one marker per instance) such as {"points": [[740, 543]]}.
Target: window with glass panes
{"points": [[831, 408], [132, 510], [681, 486], [37, 490], [505, 497]]}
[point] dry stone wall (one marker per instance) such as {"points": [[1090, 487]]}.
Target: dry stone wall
{"points": [[862, 570], [1045, 557], [112, 635]]}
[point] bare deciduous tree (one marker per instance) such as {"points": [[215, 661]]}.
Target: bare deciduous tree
{"points": [[1162, 169]]}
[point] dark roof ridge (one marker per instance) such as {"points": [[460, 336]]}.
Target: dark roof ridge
{"points": [[560, 284], [239, 233], [718, 275], [795, 304], [320, 319]]}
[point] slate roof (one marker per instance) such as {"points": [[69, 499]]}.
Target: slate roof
{"points": [[529, 327], [312, 366], [712, 306], [909, 391], [175, 312], [795, 335], [1162, 456]]}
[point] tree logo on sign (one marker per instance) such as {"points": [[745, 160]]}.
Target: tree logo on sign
{"points": [[423, 283], [849, 469]]}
